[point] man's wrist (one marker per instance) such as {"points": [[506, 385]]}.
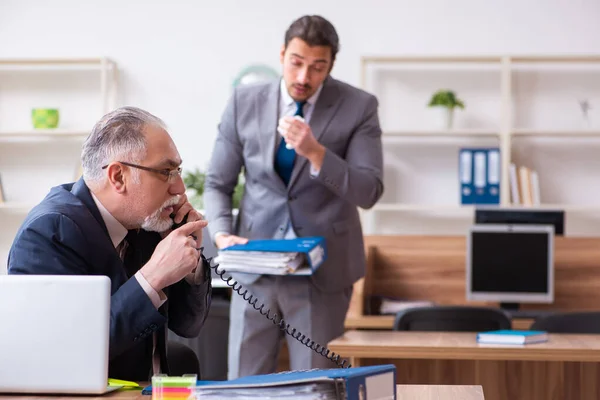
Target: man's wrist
{"points": [[153, 279], [157, 297], [317, 156]]}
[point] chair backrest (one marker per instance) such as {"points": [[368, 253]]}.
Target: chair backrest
{"points": [[452, 318], [578, 322]]}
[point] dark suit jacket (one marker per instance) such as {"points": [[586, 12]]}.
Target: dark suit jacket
{"points": [[65, 234]]}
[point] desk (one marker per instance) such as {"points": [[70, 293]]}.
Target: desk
{"points": [[403, 392], [382, 322], [439, 392], [566, 367]]}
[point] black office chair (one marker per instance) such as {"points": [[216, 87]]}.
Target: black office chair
{"points": [[452, 318], [577, 322], [182, 359]]}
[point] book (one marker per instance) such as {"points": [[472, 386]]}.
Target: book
{"points": [[376, 382], [299, 256], [507, 336]]}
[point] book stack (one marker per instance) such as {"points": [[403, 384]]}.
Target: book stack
{"points": [[300, 256], [524, 186]]}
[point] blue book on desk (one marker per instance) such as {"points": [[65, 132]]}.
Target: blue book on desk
{"points": [[376, 382], [507, 336], [299, 256]]}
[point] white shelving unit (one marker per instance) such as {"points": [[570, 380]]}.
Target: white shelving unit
{"points": [[33, 160], [525, 105]]}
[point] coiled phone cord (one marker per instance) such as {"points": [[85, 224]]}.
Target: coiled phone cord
{"points": [[273, 317]]}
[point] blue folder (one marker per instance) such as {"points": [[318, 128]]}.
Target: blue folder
{"points": [[372, 382], [313, 247], [479, 175]]}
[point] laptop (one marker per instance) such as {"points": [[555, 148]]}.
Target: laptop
{"points": [[54, 334]]}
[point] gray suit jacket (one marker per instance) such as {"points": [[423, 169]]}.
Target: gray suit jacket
{"points": [[345, 121]]}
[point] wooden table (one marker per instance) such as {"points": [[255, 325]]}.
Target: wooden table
{"points": [[566, 367], [386, 322], [403, 392], [439, 392]]}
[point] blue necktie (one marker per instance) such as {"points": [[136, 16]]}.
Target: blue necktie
{"points": [[284, 159]]}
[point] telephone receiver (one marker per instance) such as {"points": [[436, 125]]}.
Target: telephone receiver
{"points": [[178, 225], [273, 317]]}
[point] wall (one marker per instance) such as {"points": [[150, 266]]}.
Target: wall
{"points": [[179, 58]]}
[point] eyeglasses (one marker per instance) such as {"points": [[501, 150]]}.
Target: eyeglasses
{"points": [[170, 174]]}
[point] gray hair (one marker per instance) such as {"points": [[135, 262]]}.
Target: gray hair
{"points": [[118, 136]]}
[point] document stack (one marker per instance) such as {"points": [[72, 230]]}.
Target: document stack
{"points": [[300, 256], [376, 382]]}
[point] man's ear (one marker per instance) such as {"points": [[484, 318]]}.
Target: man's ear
{"points": [[282, 54], [116, 177]]}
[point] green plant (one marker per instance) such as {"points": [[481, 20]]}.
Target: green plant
{"points": [[194, 180], [446, 98]]}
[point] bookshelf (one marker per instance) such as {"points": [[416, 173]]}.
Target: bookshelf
{"points": [[33, 160], [529, 106]]}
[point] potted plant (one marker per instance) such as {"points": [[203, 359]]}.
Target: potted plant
{"points": [[194, 182], [446, 100]]}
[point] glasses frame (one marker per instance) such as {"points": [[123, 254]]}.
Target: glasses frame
{"points": [[170, 174]]}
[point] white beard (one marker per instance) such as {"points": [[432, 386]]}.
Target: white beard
{"points": [[156, 223]]}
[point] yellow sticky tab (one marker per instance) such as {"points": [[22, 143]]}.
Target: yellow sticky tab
{"points": [[119, 382]]}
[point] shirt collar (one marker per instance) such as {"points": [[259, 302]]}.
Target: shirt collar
{"points": [[116, 230], [288, 100]]}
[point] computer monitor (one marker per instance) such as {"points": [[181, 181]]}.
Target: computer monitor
{"points": [[510, 264], [556, 218]]}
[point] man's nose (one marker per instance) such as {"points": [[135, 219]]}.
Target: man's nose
{"points": [[303, 76], [177, 187]]}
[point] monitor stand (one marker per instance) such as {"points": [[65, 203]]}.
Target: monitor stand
{"points": [[513, 310], [510, 307]]}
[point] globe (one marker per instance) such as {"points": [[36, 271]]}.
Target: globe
{"points": [[254, 74]]}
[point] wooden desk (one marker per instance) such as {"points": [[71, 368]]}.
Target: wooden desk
{"points": [[439, 392], [566, 367], [403, 392], [383, 322]]}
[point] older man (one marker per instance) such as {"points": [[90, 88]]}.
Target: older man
{"points": [[117, 221]]}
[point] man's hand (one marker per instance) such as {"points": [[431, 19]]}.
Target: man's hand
{"points": [[226, 240], [175, 256], [183, 208], [298, 134]]}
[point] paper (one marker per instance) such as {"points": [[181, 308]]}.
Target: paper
{"points": [[283, 133], [316, 391]]}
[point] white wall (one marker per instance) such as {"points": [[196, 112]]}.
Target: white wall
{"points": [[178, 59]]}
